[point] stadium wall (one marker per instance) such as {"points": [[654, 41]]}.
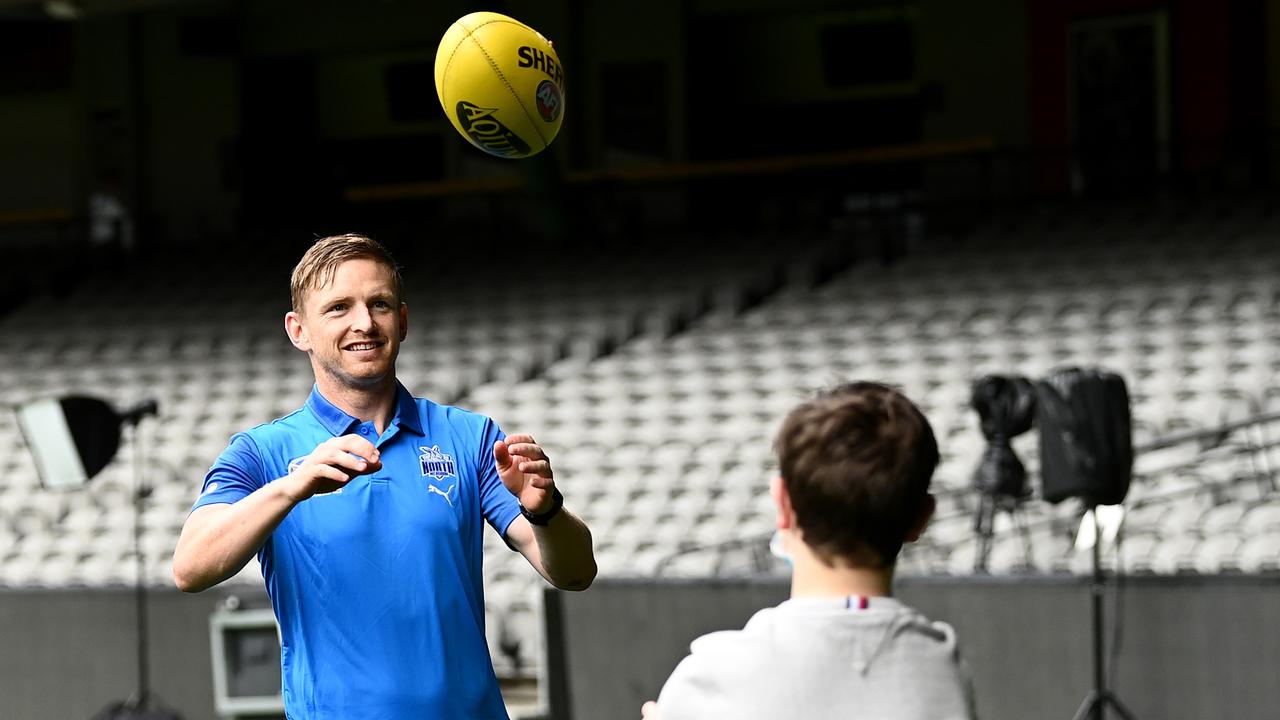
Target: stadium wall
{"points": [[69, 653], [1191, 646]]}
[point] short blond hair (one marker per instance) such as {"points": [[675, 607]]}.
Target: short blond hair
{"points": [[321, 261]]}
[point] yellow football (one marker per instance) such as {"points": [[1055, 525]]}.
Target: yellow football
{"points": [[501, 84]]}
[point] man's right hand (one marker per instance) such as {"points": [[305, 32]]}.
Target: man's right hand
{"points": [[332, 465], [220, 538]]}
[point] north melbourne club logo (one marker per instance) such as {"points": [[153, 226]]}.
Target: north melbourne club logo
{"points": [[435, 464]]}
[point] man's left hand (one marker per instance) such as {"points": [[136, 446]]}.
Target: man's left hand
{"points": [[526, 471]]}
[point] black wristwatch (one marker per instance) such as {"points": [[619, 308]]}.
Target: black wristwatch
{"points": [[557, 502]]}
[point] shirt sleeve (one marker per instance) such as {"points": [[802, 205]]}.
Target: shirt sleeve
{"points": [[690, 692], [497, 503], [236, 473]]}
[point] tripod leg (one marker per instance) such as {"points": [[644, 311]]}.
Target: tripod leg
{"points": [[984, 549], [1109, 698], [1091, 708], [984, 524], [1021, 521]]}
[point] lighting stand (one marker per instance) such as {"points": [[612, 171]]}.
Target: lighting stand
{"points": [[1096, 702], [141, 705]]}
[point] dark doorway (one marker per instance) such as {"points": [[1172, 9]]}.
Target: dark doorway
{"points": [[1120, 102]]}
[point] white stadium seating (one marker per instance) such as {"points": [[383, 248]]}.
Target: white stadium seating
{"points": [[657, 385]]}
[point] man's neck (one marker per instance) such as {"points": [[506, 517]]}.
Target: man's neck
{"points": [[376, 404], [811, 577]]}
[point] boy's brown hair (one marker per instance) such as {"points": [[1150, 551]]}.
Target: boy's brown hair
{"points": [[856, 462]]}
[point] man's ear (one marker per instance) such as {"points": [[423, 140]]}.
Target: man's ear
{"points": [[297, 331], [404, 321], [926, 514], [786, 519]]}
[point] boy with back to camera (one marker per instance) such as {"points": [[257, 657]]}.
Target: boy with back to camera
{"points": [[855, 466]]}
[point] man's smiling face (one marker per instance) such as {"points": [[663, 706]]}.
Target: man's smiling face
{"points": [[353, 325]]}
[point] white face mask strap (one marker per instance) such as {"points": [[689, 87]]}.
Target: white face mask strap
{"points": [[778, 549]]}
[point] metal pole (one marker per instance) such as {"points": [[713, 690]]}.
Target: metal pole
{"points": [[140, 579], [1099, 631]]}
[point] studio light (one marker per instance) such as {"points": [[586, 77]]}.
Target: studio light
{"points": [[72, 439]]}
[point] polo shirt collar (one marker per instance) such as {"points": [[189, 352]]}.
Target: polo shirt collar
{"points": [[338, 422], [407, 416]]}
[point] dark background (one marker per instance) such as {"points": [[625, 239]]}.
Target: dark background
{"points": [[228, 121]]}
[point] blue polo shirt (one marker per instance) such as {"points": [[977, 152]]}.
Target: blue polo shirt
{"points": [[377, 587]]}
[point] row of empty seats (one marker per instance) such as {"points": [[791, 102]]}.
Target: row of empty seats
{"points": [[674, 434], [205, 339], [657, 380]]}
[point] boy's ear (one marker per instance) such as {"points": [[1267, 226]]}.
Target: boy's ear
{"points": [[786, 519], [926, 514]]}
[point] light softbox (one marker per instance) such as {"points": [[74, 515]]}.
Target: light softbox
{"points": [[71, 438], [1086, 441]]}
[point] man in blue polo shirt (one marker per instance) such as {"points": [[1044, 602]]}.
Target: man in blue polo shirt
{"points": [[364, 508]]}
